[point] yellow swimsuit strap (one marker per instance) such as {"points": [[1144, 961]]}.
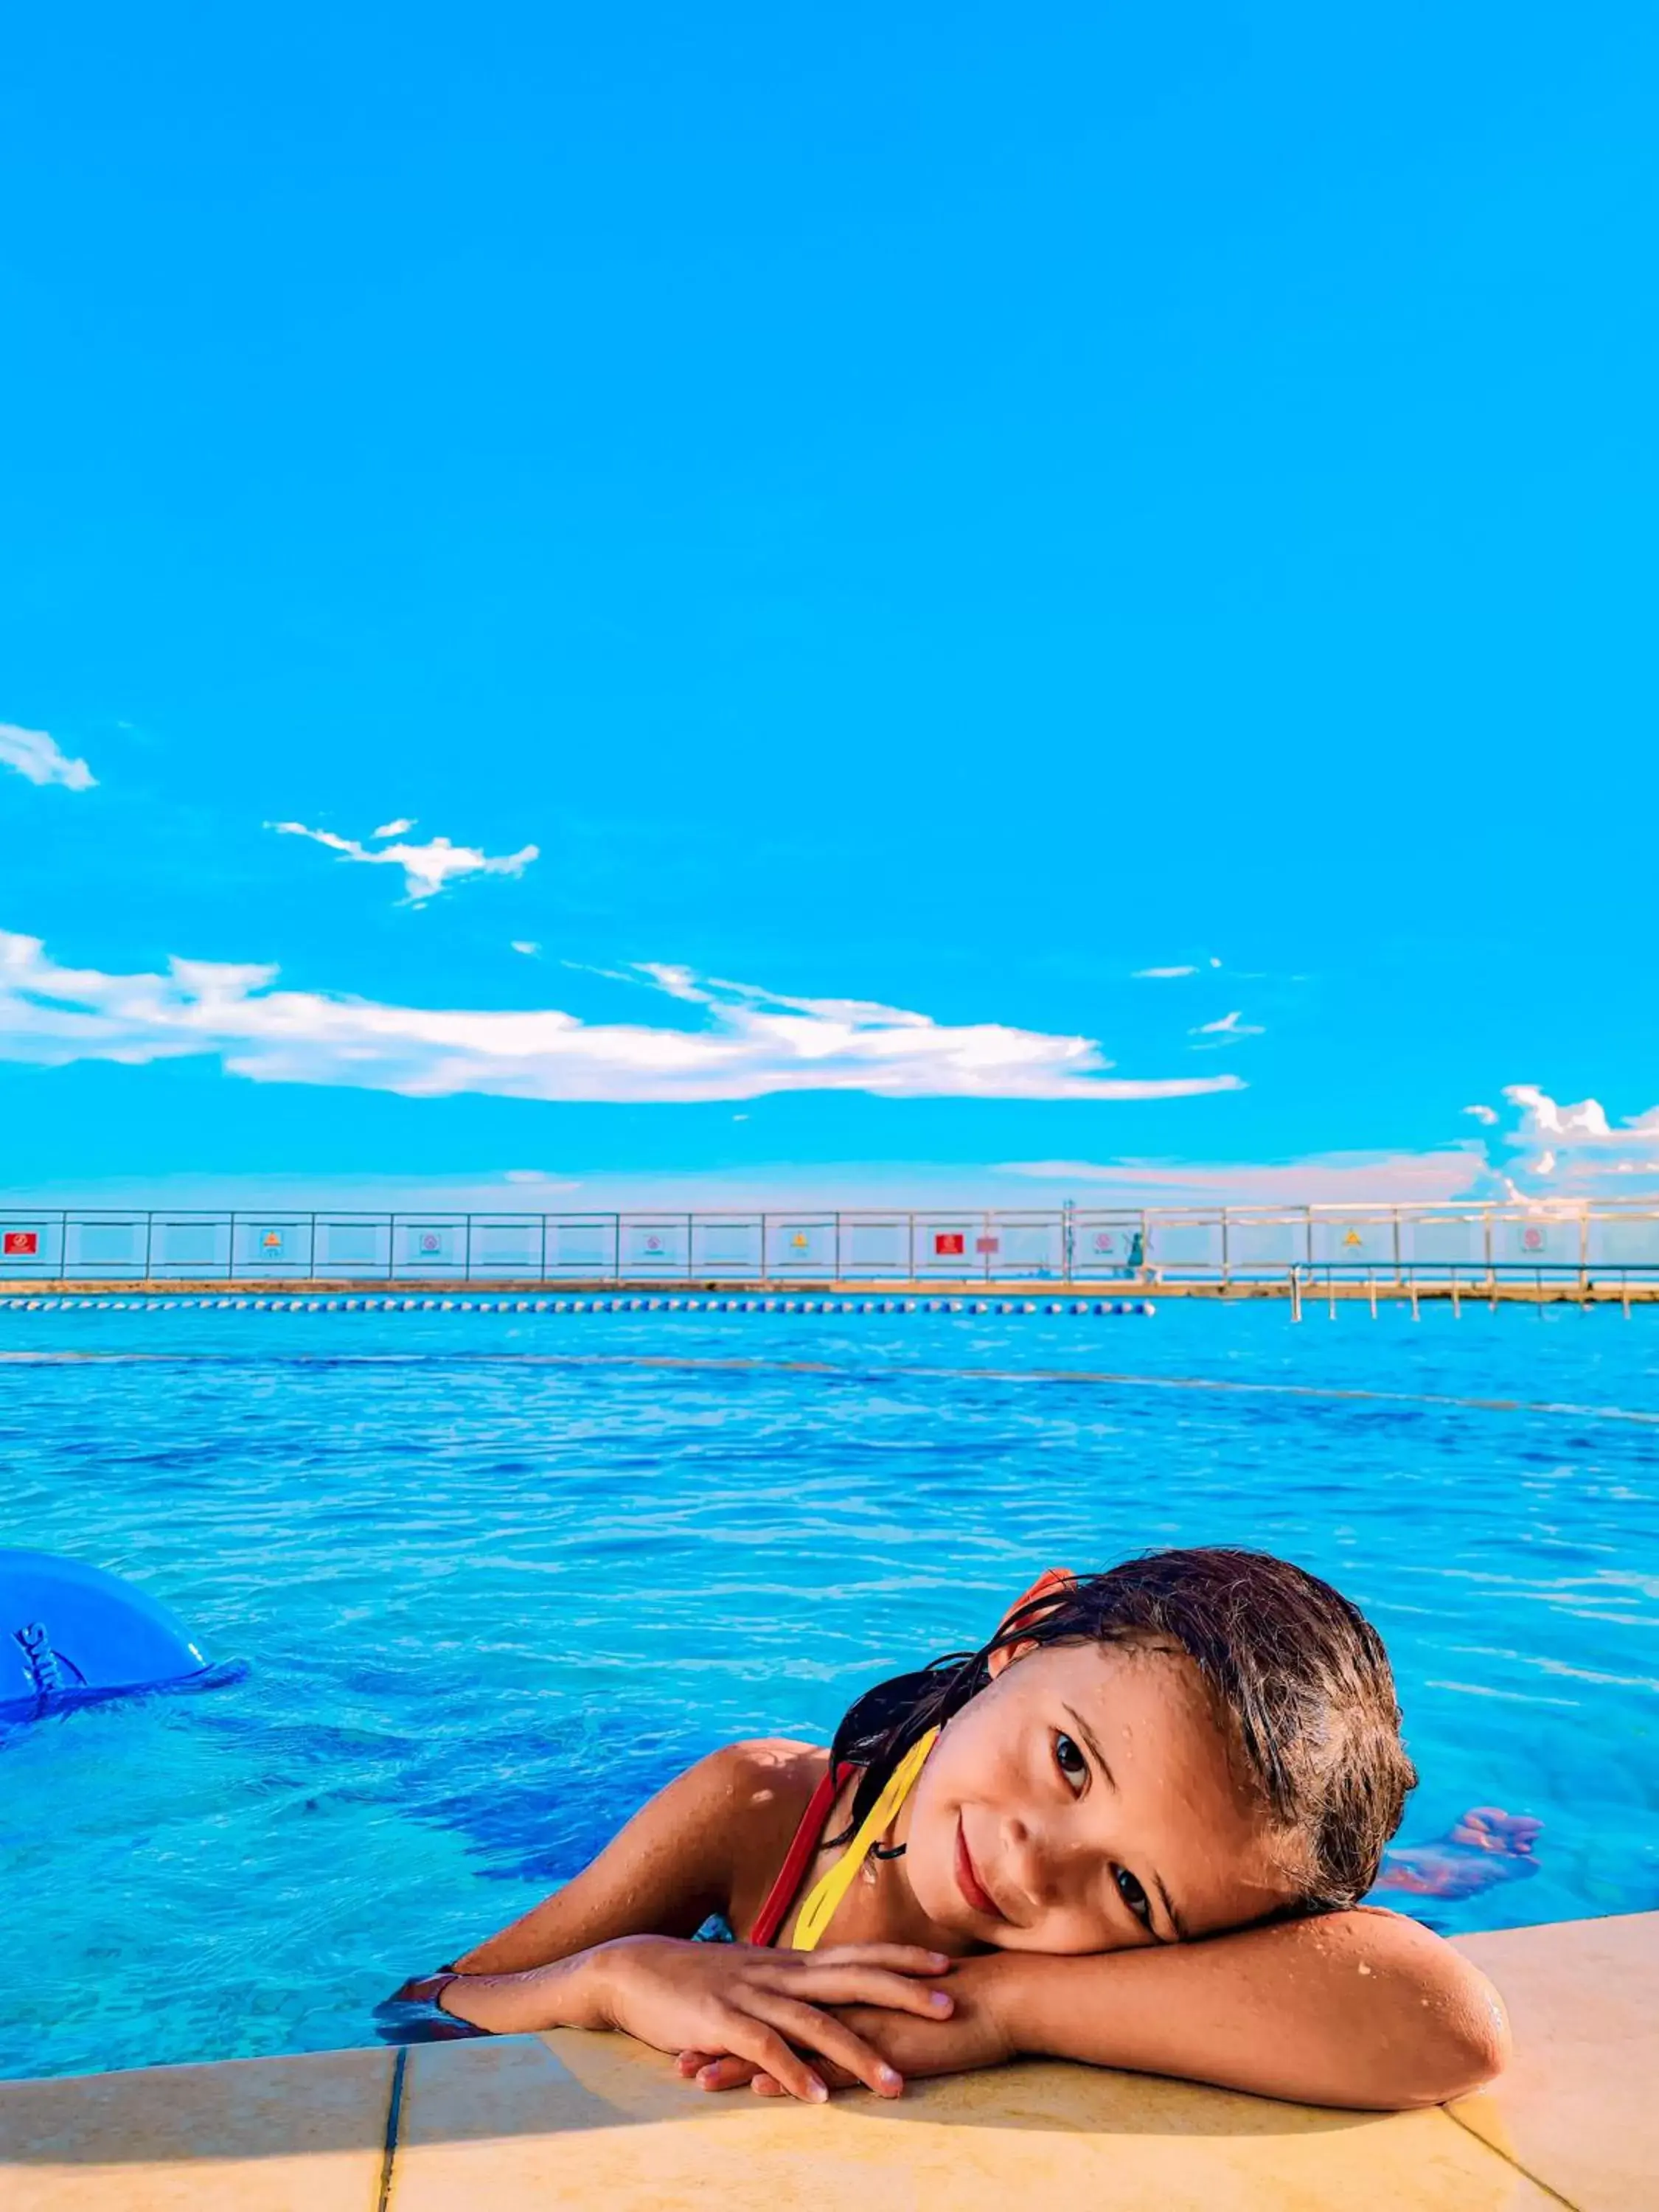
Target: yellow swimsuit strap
{"points": [[828, 1891]]}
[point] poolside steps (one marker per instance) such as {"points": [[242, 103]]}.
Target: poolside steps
{"points": [[595, 2124]]}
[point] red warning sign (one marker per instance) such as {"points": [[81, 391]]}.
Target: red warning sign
{"points": [[987, 1243], [23, 1243], [950, 1244]]}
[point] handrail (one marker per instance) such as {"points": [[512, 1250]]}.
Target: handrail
{"points": [[1474, 1241]]}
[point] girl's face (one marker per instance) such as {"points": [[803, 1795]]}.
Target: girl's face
{"points": [[1086, 1801]]}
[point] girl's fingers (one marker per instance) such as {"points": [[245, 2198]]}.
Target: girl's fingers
{"points": [[871, 1985], [894, 1958], [726, 2072], [751, 2038], [822, 2034]]}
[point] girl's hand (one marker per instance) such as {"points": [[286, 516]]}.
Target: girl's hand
{"points": [[762, 2006], [767, 2007], [974, 2034]]}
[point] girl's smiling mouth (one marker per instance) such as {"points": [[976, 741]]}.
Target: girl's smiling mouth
{"points": [[968, 1882]]}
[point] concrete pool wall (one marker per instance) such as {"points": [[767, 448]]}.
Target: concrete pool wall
{"points": [[587, 2122]]}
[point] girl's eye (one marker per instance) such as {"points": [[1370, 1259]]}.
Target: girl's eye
{"points": [[1070, 1761], [1133, 1895]]}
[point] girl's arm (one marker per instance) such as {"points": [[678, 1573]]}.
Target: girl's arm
{"points": [[1360, 2008], [607, 1951], [674, 1863]]}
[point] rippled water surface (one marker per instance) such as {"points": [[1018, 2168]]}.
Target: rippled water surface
{"points": [[496, 1576]]}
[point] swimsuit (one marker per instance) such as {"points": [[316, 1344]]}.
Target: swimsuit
{"points": [[828, 1891], [819, 1908]]}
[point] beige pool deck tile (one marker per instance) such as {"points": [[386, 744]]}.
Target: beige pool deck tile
{"points": [[1579, 2106], [578, 2121], [597, 2124], [257, 2134]]}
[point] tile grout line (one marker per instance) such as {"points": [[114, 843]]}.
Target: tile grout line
{"points": [[1508, 2157], [394, 2111]]}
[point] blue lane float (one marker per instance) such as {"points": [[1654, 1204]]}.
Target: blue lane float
{"points": [[72, 1635], [1074, 1306]]}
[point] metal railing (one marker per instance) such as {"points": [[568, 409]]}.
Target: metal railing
{"points": [[1382, 1244]]}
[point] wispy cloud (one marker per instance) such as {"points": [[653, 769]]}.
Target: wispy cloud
{"points": [[1230, 1027], [528, 946], [35, 755], [750, 1043], [427, 869], [1324, 1179], [1168, 975], [1485, 1114]]}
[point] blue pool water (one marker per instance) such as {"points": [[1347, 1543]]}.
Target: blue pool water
{"points": [[496, 1576]]}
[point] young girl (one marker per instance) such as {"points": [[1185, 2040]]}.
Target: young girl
{"points": [[1133, 1829]]}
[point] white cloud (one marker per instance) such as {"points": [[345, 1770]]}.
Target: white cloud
{"points": [[1324, 1179], [528, 946], [1159, 975], [426, 868], [751, 1041], [1229, 1027], [1583, 1124], [1484, 1115], [393, 828], [1579, 1151], [34, 754]]}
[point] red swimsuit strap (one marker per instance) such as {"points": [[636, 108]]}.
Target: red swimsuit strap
{"points": [[808, 1838]]}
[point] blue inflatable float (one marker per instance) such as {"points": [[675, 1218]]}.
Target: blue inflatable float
{"points": [[72, 1635]]}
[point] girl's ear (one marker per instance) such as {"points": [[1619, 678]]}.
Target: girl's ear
{"points": [[1053, 1585]]}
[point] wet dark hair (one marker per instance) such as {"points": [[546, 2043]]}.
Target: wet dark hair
{"points": [[1298, 1676]]}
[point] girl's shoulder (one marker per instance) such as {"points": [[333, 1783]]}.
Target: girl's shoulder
{"points": [[766, 1786], [768, 1778]]}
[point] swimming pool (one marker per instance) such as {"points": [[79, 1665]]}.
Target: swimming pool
{"points": [[497, 1576]]}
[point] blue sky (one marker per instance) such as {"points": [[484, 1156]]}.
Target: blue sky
{"points": [[881, 525]]}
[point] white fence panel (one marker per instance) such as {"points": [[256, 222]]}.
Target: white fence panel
{"points": [[1630, 1241], [584, 1245], [876, 1247], [733, 1247], [506, 1248], [272, 1245], [353, 1246], [800, 1244], [184, 1247], [112, 1245], [1183, 1248], [1353, 1241], [428, 1245], [944, 1244], [1542, 1241], [1437, 1241], [1021, 1248], [30, 1244], [655, 1246], [1266, 1247]]}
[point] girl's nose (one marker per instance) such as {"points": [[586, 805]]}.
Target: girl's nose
{"points": [[1033, 1866]]}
